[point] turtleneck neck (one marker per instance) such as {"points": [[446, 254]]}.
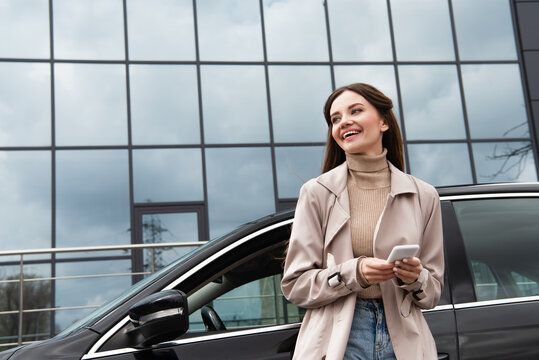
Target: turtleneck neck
{"points": [[369, 171], [367, 163]]}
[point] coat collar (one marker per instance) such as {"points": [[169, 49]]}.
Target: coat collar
{"points": [[335, 180]]}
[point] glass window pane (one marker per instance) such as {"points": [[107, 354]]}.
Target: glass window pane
{"points": [[504, 161], [296, 165], [25, 209], [298, 94], [431, 102], [240, 187], [25, 105], [253, 304], [295, 30], [88, 29], [229, 30], [166, 175], [422, 30], [441, 164], [82, 292], [380, 76], [164, 104], [163, 228], [161, 30], [235, 104], [90, 104], [24, 29], [490, 38], [350, 20], [495, 101], [500, 236], [37, 295], [92, 198]]}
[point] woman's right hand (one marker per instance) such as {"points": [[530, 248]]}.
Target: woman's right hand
{"points": [[376, 270]]}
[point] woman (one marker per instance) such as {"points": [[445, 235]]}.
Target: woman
{"points": [[346, 223]]}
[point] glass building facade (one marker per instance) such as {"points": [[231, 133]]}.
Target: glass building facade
{"points": [[131, 121]]}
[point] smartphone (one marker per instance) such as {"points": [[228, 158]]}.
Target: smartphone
{"points": [[400, 252]]}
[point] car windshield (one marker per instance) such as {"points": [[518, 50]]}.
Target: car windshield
{"points": [[109, 306]]}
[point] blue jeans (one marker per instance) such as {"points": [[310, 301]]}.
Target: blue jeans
{"points": [[369, 338]]}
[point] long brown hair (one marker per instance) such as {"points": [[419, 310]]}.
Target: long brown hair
{"points": [[391, 140]]}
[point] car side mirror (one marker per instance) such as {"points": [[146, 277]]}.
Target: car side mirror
{"points": [[163, 316]]}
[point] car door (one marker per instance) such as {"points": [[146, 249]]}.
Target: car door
{"points": [[241, 284], [497, 299], [441, 319], [257, 323]]}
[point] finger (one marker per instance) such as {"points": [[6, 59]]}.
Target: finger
{"points": [[381, 265], [412, 261], [406, 276], [407, 267]]}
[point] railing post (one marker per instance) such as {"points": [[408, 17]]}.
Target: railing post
{"points": [[21, 298], [153, 261]]}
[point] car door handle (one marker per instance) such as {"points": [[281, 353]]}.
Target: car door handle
{"points": [[443, 356]]}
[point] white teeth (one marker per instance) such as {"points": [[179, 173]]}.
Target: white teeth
{"points": [[350, 133]]}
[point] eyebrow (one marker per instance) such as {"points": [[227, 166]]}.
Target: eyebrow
{"points": [[349, 107]]}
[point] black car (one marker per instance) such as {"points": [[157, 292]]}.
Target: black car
{"points": [[224, 301]]}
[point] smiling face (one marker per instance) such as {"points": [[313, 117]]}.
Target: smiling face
{"points": [[357, 127]]}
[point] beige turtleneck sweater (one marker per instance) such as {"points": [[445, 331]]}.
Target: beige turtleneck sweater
{"points": [[368, 187]]}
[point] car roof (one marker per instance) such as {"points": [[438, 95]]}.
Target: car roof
{"points": [[488, 189], [493, 188]]}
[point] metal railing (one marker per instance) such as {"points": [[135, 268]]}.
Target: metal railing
{"points": [[21, 279]]}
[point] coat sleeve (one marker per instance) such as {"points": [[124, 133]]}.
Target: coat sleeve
{"points": [[426, 291], [305, 279]]}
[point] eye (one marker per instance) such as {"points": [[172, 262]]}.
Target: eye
{"points": [[335, 119], [356, 111]]}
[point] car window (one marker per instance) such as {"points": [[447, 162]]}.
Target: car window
{"points": [[248, 295], [501, 237], [257, 303]]}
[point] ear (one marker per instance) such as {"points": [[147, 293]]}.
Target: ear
{"points": [[383, 126]]}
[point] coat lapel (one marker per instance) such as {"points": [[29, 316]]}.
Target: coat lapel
{"points": [[335, 182], [400, 182]]}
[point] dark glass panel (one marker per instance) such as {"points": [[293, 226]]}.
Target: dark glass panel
{"points": [[25, 209], [24, 29], [295, 165], [161, 29], [495, 101], [422, 30], [484, 30], [167, 227], [234, 104], [359, 30], [229, 30], [431, 102], [240, 187], [88, 29], [92, 198], [298, 94], [504, 161], [441, 164], [25, 104], [164, 104], [165, 175], [295, 30], [91, 105]]}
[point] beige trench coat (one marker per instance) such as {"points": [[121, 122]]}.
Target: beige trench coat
{"points": [[320, 245]]}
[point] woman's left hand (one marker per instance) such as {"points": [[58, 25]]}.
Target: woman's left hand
{"points": [[408, 269]]}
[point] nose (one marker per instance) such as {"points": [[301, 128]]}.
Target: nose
{"points": [[345, 121]]}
